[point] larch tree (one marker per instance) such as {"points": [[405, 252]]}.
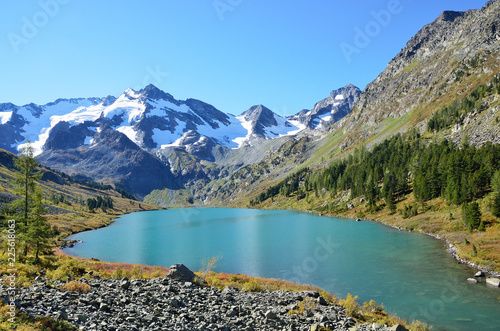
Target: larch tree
{"points": [[30, 225]]}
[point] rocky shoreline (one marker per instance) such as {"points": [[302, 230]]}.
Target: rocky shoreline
{"points": [[176, 303]]}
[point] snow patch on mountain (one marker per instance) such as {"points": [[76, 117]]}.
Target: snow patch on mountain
{"points": [[159, 107], [129, 132], [38, 125], [247, 125], [5, 116], [300, 127], [88, 140], [283, 128]]}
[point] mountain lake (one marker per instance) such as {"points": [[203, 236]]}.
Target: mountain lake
{"points": [[410, 273]]}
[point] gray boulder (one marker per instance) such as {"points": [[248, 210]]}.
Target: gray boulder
{"points": [[180, 272], [271, 315], [125, 283], [398, 327], [493, 282]]}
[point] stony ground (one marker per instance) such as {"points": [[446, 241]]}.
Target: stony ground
{"points": [[176, 304]]}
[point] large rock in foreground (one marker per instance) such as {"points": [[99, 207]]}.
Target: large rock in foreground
{"points": [[181, 273]]}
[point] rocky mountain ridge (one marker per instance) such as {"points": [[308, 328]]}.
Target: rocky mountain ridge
{"points": [[443, 62], [329, 110], [149, 134]]}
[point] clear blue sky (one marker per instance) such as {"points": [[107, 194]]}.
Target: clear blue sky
{"points": [[230, 53]]}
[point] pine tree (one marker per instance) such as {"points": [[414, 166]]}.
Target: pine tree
{"points": [[371, 191], [388, 191], [390, 202], [496, 205], [495, 182], [471, 215]]}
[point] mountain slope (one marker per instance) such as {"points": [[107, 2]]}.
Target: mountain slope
{"points": [[446, 60], [329, 110]]}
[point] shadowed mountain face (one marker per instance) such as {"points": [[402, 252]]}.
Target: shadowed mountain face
{"points": [[113, 157]]}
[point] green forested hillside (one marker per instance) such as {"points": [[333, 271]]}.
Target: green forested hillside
{"points": [[397, 167]]}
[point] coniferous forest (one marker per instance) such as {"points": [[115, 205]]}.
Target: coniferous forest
{"points": [[399, 166]]}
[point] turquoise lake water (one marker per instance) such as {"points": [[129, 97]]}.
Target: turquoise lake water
{"points": [[411, 274]]}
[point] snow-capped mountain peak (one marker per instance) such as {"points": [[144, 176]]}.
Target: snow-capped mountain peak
{"points": [[151, 118], [262, 123], [329, 110]]}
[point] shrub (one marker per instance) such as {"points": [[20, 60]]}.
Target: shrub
{"points": [[304, 306], [75, 286], [209, 264], [350, 304], [409, 211], [372, 307], [137, 272], [119, 273], [68, 268], [252, 286], [213, 281], [157, 273], [419, 326]]}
